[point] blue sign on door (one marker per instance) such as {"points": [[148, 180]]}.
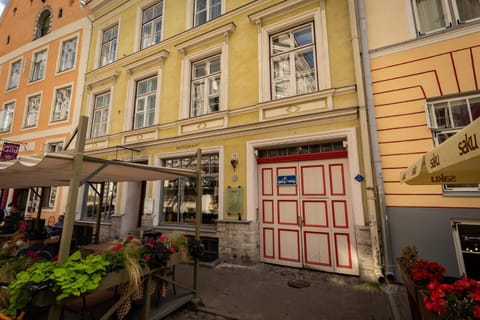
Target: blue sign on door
{"points": [[287, 180]]}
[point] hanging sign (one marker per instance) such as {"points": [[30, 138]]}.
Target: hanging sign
{"points": [[9, 151]]}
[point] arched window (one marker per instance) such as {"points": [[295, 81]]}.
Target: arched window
{"points": [[43, 24]]}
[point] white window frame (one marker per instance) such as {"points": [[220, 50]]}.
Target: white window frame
{"points": [[143, 44], [318, 17], [65, 62], [144, 97], [55, 105], [7, 115], [442, 129], [54, 146], [27, 109], [187, 63], [207, 10], [157, 187], [451, 16], [112, 43], [104, 109], [14, 79], [39, 67], [290, 56], [190, 12], [207, 80]]}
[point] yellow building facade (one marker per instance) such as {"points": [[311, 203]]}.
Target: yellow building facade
{"points": [[424, 65], [271, 93], [42, 66]]}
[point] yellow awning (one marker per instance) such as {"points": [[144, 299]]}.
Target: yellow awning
{"points": [[455, 161]]}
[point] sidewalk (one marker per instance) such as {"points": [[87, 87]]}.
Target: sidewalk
{"points": [[262, 292]]}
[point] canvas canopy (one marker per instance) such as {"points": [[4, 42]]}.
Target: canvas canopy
{"points": [[56, 170], [455, 161]]}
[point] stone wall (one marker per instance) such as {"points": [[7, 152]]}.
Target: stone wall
{"points": [[238, 241], [364, 254]]}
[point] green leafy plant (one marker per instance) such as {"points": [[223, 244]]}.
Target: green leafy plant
{"points": [[76, 275], [72, 278]]}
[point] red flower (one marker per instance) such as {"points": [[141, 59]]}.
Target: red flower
{"points": [[117, 247], [476, 312], [147, 259], [172, 249]]}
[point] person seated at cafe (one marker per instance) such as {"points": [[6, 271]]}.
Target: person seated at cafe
{"points": [[56, 229], [11, 221], [37, 249]]}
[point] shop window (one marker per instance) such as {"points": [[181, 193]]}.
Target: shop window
{"points": [[466, 235], [106, 193], [178, 196]]}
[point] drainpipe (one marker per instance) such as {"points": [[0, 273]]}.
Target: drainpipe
{"points": [[389, 267], [365, 119]]}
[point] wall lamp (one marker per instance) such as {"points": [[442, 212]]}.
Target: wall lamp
{"points": [[234, 163], [234, 160]]}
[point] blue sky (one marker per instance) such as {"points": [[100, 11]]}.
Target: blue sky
{"points": [[2, 5]]}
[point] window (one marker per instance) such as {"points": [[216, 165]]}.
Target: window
{"points": [[145, 103], [447, 117], [293, 65], [93, 195], [178, 196], [152, 25], [435, 15], [67, 56], [205, 88], [100, 115], [61, 108], [206, 10], [54, 147], [31, 115], [38, 65], [6, 117], [43, 24], [109, 45], [15, 69]]}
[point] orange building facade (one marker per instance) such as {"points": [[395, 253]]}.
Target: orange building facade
{"points": [[425, 78], [42, 67]]}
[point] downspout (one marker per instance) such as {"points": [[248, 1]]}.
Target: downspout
{"points": [[371, 205], [388, 265]]}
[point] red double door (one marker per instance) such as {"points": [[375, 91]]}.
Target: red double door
{"points": [[306, 217]]}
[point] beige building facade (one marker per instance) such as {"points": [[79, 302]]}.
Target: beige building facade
{"points": [[271, 93]]}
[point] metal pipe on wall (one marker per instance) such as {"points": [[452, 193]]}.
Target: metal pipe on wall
{"points": [[388, 265]]}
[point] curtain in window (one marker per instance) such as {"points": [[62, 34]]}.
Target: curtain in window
{"points": [[431, 15], [68, 55], [14, 74], [468, 9], [100, 115], [32, 111]]}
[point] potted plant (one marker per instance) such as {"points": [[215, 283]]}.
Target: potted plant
{"points": [[453, 301]]}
